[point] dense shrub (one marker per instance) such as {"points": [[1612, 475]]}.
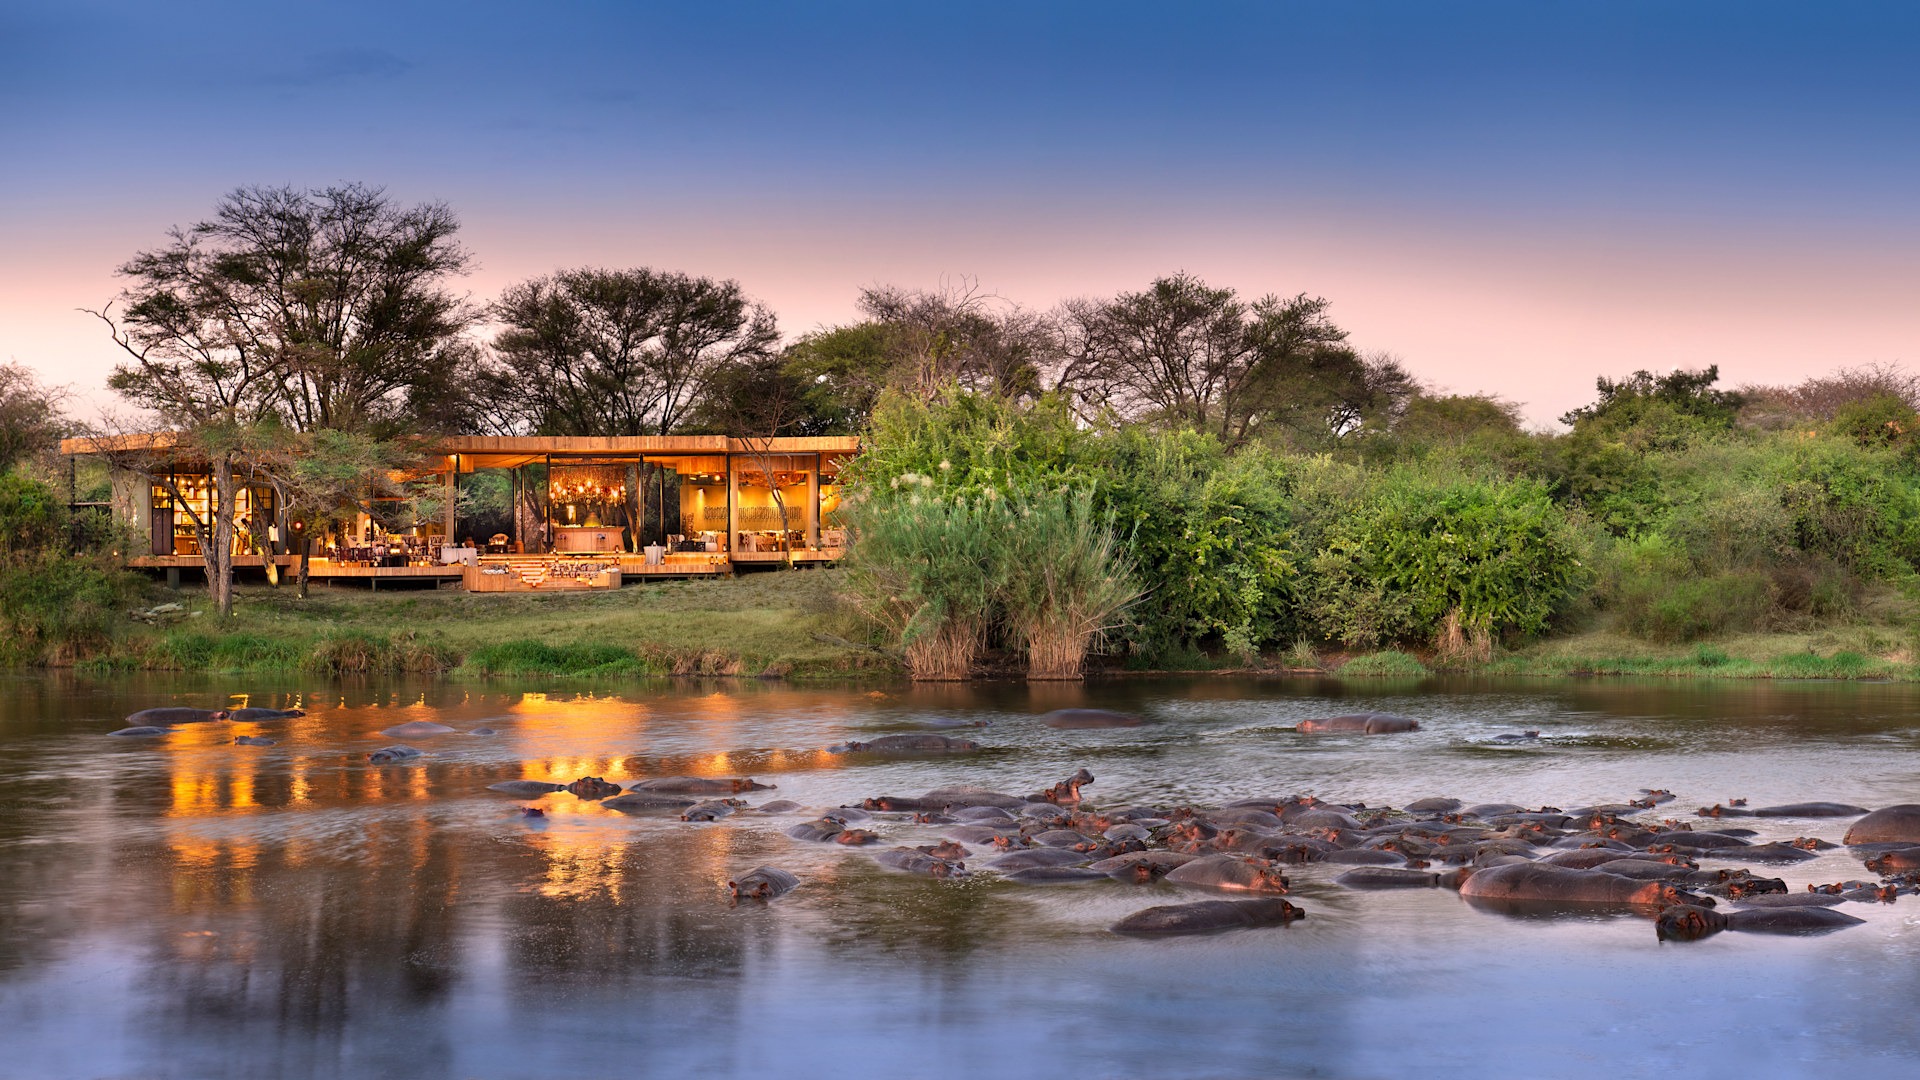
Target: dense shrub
{"points": [[1414, 556]]}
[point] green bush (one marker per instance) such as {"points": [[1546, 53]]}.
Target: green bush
{"points": [[58, 609], [1413, 553]]}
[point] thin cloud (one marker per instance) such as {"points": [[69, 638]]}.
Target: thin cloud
{"points": [[341, 65]]}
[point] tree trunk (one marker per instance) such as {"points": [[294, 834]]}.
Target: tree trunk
{"points": [[218, 555], [304, 548]]}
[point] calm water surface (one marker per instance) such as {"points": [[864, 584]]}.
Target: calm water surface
{"points": [[184, 907]]}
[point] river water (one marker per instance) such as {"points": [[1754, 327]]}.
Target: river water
{"points": [[185, 907]]}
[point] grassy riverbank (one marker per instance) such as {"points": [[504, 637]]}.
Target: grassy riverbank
{"points": [[753, 626], [789, 625]]}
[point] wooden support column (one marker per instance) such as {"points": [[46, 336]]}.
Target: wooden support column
{"points": [[452, 496], [733, 505], [813, 501]]}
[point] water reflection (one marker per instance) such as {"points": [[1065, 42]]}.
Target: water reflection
{"points": [[186, 907]]}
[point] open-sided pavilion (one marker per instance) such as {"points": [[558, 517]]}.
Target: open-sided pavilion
{"points": [[525, 512]]}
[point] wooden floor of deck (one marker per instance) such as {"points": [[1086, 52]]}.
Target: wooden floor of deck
{"points": [[677, 565]]}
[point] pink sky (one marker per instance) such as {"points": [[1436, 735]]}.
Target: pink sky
{"points": [[1534, 317]]}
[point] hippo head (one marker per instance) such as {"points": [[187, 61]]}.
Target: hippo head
{"points": [[1265, 880], [1687, 922], [218, 714], [1668, 896], [758, 890]]}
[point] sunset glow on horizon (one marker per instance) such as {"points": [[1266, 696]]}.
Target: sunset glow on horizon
{"points": [[1511, 198]]}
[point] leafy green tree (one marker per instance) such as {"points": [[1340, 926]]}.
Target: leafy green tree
{"points": [[1642, 396], [621, 352]]}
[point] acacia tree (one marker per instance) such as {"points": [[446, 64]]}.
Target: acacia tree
{"points": [[309, 310], [757, 402], [622, 352], [31, 420], [1190, 355]]}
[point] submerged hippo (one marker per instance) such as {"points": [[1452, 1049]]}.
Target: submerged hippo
{"points": [[389, 754], [1207, 916], [526, 789], [1032, 858], [145, 729], [254, 716], [762, 883], [593, 787], [1090, 718], [1688, 922], [821, 829], [414, 729], [1537, 883], [1888, 825], [639, 802], [1385, 877], [1810, 809], [253, 740], [1361, 723], [1228, 872], [174, 715], [908, 744], [1056, 875], [915, 861], [699, 785]]}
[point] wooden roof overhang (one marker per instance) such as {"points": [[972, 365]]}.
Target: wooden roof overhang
{"points": [[685, 453]]}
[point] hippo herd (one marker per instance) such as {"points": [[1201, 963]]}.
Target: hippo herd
{"points": [[1629, 856]]}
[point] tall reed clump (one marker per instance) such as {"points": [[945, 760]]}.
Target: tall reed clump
{"points": [[1063, 581], [925, 569]]}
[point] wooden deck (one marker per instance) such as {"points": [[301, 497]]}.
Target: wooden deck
{"points": [[631, 566]]}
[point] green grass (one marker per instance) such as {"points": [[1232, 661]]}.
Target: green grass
{"points": [[1850, 651], [1388, 664], [760, 624]]}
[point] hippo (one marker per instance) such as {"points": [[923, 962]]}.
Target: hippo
{"points": [[254, 740], [1792, 899], [483, 731], [762, 883], [818, 829], [908, 744], [1361, 723], [1140, 867], [414, 729], [1207, 916], [1434, 805], [1810, 809], [1032, 858], [254, 716], [856, 837], [174, 715], [1894, 861], [847, 815], [1647, 870], [1228, 872], [1527, 736], [145, 729], [1090, 718], [967, 795], [1056, 875], [699, 785], [712, 810], [1068, 790], [532, 812], [1535, 883], [778, 806], [525, 789], [1767, 853], [1061, 838], [1688, 922], [1382, 877], [919, 862], [593, 787], [1888, 825], [389, 754], [640, 802], [1361, 857], [978, 814]]}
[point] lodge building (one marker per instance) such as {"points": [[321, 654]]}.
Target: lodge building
{"points": [[526, 513]]}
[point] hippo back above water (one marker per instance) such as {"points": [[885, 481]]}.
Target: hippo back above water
{"points": [[254, 716], [174, 715], [1358, 723]]}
